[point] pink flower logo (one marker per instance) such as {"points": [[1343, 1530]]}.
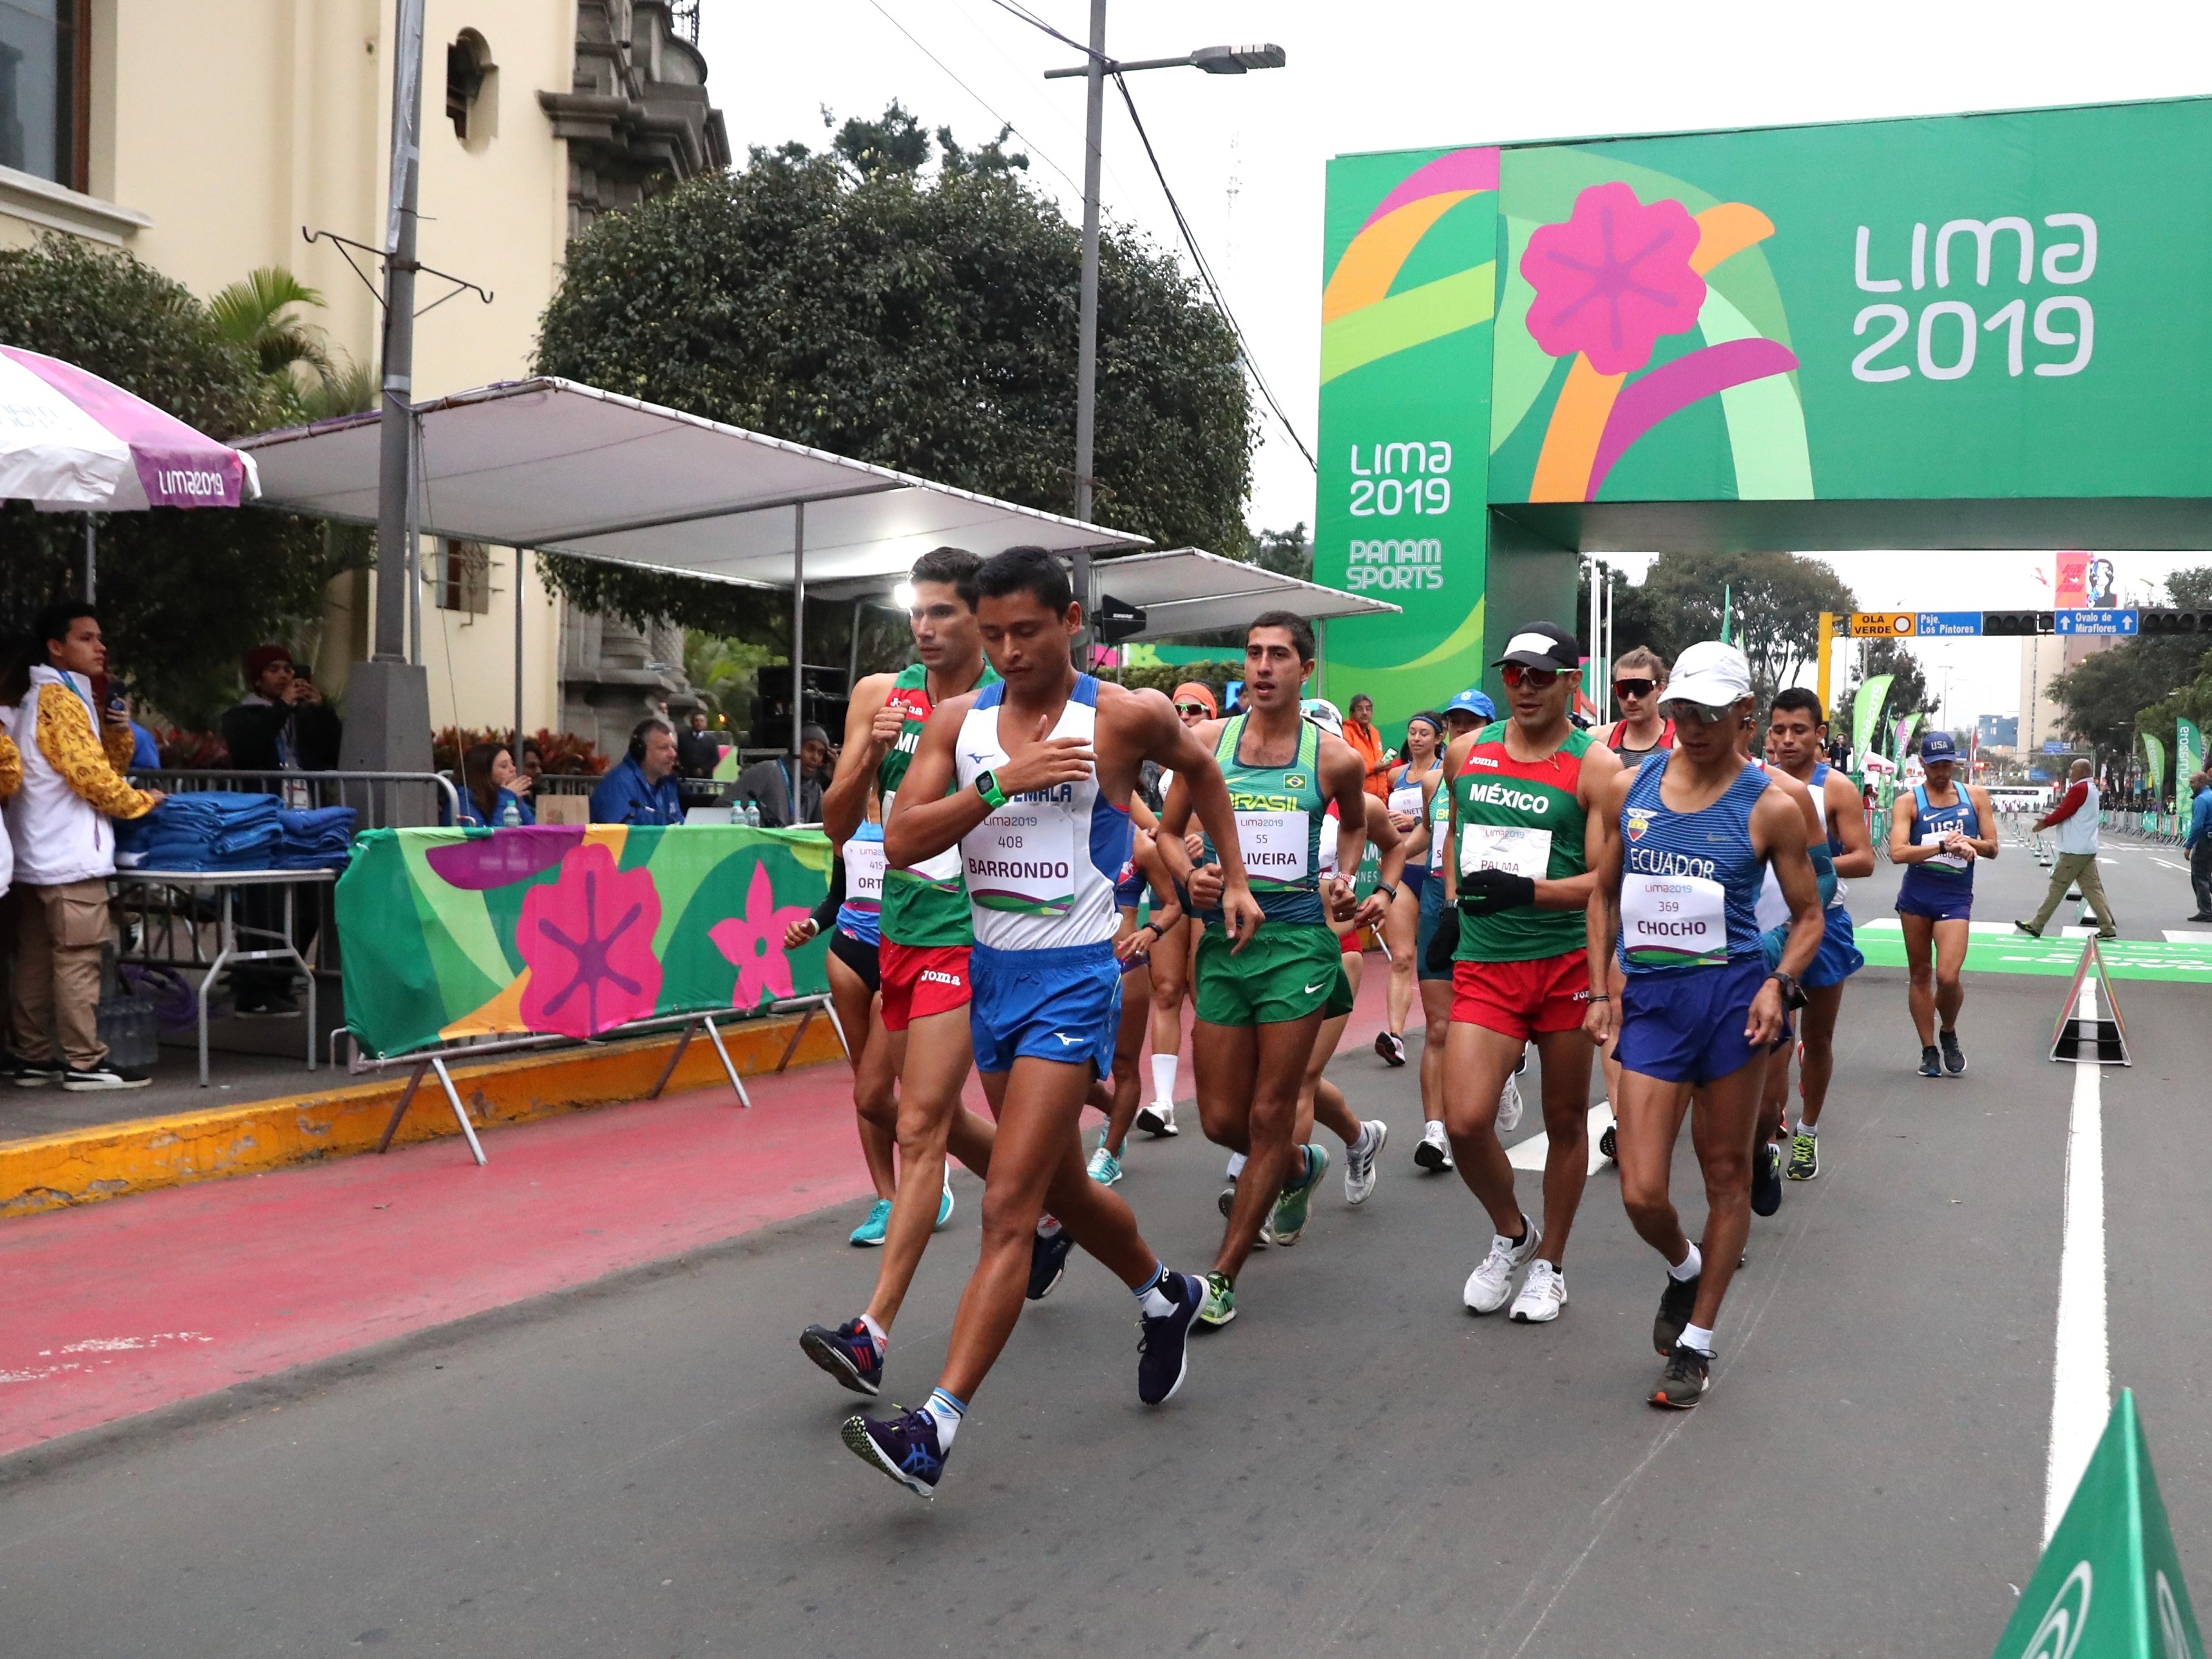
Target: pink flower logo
{"points": [[1614, 278], [754, 943], [587, 939]]}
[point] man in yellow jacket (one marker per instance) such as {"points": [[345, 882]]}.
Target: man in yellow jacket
{"points": [[65, 851]]}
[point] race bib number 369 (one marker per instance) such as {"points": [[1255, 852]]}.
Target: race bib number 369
{"points": [[1674, 921]]}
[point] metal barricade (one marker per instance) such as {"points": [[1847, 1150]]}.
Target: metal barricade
{"points": [[385, 800]]}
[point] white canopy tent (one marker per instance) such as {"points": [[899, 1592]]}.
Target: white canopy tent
{"points": [[549, 465], [1187, 590]]}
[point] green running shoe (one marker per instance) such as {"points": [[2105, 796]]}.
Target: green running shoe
{"points": [[869, 1235], [1105, 1168], [1289, 1220], [1220, 1304], [1804, 1157]]}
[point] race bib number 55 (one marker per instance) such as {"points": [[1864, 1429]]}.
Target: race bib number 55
{"points": [[1275, 846]]}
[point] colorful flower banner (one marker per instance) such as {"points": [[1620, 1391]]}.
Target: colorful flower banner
{"points": [[571, 931]]}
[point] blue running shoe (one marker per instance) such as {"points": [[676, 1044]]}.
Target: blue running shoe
{"points": [[1048, 1262], [904, 1449], [870, 1233], [1164, 1351], [847, 1354], [945, 1204]]}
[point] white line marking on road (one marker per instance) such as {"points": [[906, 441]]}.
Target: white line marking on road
{"points": [[2187, 935], [2081, 1369], [2171, 865], [1530, 1154]]}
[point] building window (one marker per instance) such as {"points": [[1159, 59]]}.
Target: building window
{"points": [[44, 67], [464, 577], [471, 89]]}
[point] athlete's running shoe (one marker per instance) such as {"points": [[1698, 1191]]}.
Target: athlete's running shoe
{"points": [[1676, 1304], [848, 1353], [1219, 1305], [870, 1232], [1434, 1153], [1048, 1262], [1608, 1142], [1490, 1285], [1804, 1157], [1684, 1381], [1164, 1351], [1543, 1293], [944, 1203], [1391, 1047], [1294, 1201], [1931, 1061], [904, 1449], [1766, 1177], [1954, 1059], [1105, 1168], [1509, 1108], [1158, 1120], [1227, 1200], [1359, 1164]]}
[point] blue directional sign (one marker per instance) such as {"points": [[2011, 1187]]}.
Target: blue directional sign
{"points": [[1948, 624], [2097, 621]]}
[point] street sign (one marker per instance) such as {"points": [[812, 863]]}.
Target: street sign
{"points": [[1882, 624], [2083, 621], [1948, 624], [2055, 746], [2110, 1582]]}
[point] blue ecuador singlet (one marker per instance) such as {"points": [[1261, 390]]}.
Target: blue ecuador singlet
{"points": [[1945, 878], [1689, 883]]}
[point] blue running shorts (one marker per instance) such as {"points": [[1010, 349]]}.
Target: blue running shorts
{"points": [[1686, 1025], [1945, 906], [1063, 1005], [1836, 961], [1432, 910]]}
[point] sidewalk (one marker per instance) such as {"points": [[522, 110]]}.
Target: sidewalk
{"points": [[122, 1308]]}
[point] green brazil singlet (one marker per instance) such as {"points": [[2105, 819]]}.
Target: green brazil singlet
{"points": [[1520, 816], [1280, 822], [927, 904]]}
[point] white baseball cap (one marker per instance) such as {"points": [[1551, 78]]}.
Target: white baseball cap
{"points": [[1712, 672], [1323, 713]]}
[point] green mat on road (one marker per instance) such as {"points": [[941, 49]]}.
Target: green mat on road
{"points": [[2009, 952]]}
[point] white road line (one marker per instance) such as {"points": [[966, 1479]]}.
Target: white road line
{"points": [[2081, 1369], [1530, 1154], [2171, 865], [2187, 936]]}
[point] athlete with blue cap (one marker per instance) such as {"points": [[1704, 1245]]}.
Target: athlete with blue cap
{"points": [[1937, 833]]}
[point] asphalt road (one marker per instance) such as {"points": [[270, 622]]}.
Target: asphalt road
{"points": [[650, 1466]]}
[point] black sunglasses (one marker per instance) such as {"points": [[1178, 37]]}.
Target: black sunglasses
{"points": [[1634, 688]]}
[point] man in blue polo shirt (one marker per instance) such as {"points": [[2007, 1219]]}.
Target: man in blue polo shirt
{"points": [[641, 787], [2199, 842]]}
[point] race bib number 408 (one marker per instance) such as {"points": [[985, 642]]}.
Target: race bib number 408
{"points": [[1674, 921]]}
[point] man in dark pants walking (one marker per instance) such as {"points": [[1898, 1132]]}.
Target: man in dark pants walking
{"points": [[2199, 842]]}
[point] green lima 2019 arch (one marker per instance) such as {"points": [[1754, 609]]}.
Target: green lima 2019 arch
{"points": [[1956, 333]]}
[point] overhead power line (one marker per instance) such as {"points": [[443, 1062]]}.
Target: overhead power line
{"points": [[1035, 148]]}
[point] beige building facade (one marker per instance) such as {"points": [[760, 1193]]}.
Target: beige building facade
{"points": [[206, 137]]}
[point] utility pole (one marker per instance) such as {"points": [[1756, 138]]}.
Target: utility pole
{"points": [[387, 727]]}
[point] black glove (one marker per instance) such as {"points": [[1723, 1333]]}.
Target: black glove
{"points": [[1443, 943], [1488, 891]]}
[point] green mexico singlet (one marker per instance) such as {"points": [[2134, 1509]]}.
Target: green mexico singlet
{"points": [[1520, 816], [1279, 823], [927, 903]]}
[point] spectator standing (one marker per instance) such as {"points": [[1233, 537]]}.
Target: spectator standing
{"points": [[282, 725], [493, 793], [641, 788], [2199, 842], [1367, 743], [65, 851], [2074, 820], [699, 751]]}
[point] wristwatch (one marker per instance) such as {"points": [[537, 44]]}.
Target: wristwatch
{"points": [[1389, 893], [1793, 994], [986, 786]]}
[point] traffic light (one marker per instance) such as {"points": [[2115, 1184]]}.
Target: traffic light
{"points": [[2018, 621], [2176, 622]]}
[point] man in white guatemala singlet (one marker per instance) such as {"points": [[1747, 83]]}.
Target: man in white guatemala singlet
{"points": [[1031, 779]]}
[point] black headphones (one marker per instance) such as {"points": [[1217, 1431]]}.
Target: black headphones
{"points": [[650, 724]]}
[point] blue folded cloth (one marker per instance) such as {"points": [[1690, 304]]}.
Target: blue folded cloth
{"points": [[319, 839], [206, 829]]}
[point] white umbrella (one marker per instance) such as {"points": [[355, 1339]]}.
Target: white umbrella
{"points": [[70, 441]]}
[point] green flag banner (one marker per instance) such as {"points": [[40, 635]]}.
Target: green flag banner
{"points": [[2155, 762], [2109, 1585], [571, 931], [1866, 711], [2188, 759]]}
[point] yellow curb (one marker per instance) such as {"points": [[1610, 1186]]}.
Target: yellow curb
{"points": [[82, 1166]]}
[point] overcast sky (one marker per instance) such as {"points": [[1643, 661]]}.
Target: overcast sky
{"points": [[1245, 154]]}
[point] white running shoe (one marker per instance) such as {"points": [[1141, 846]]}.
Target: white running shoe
{"points": [[1157, 1119], [1434, 1153], [1359, 1164], [1509, 1108], [1543, 1293], [1490, 1285]]}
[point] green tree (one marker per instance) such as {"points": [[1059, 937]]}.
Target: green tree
{"points": [[2142, 684], [183, 595], [308, 379], [1773, 602], [1287, 552], [922, 319], [1908, 690]]}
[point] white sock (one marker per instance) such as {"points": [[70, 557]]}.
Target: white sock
{"points": [[1698, 1337], [1236, 1164], [1813, 1130], [946, 1411], [882, 1336], [1163, 1073], [1048, 1226], [1152, 1296], [1364, 1140], [1691, 1265], [1434, 1130]]}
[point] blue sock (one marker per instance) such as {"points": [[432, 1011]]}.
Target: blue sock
{"points": [[945, 1410], [1152, 1295]]}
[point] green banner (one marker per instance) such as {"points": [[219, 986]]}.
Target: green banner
{"points": [[2109, 1585], [448, 933], [2154, 762], [2188, 760], [1866, 711]]}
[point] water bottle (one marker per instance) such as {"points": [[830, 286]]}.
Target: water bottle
{"points": [[510, 816], [752, 813]]}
